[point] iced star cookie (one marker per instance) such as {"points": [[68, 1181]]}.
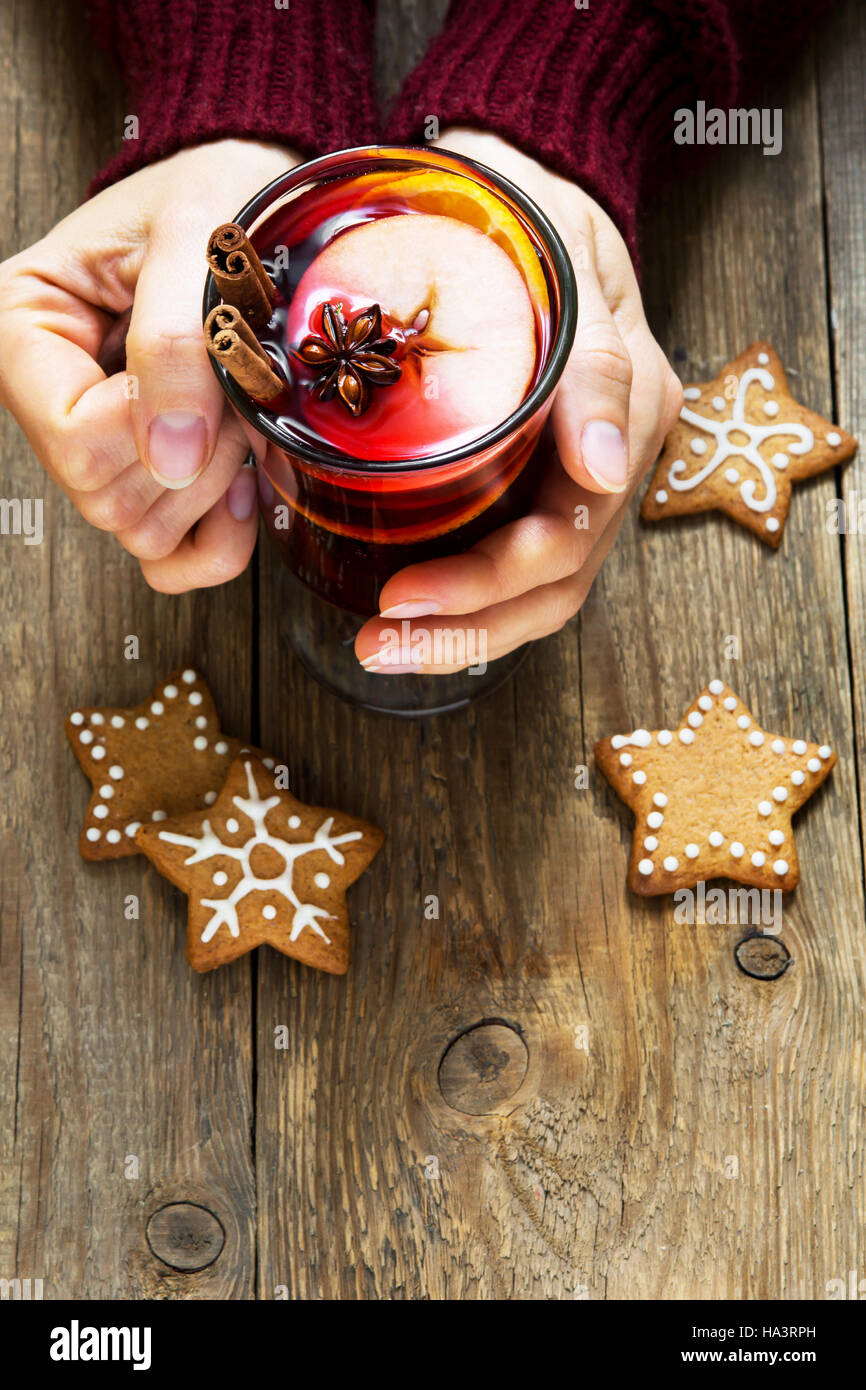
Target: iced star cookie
{"points": [[161, 758], [740, 444], [714, 797], [260, 867]]}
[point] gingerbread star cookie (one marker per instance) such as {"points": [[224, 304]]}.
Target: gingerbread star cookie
{"points": [[156, 760], [714, 797], [261, 867], [740, 443]]}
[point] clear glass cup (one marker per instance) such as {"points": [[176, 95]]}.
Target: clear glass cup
{"points": [[344, 523]]}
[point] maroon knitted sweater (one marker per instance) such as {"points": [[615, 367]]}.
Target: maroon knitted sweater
{"points": [[590, 92]]}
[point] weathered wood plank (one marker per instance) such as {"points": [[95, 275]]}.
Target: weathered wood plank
{"points": [[653, 1062], [111, 1047]]}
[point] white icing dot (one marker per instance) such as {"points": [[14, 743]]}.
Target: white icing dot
{"points": [[618, 741], [97, 718], [106, 791], [112, 836], [269, 911], [777, 837], [798, 778], [86, 736], [765, 808], [650, 842], [780, 460], [654, 820], [692, 393], [141, 722], [763, 359], [743, 721], [671, 863], [718, 403], [799, 747], [97, 752], [813, 765], [715, 688], [730, 703], [772, 523], [660, 799], [220, 877], [824, 752], [737, 850], [170, 692], [705, 703], [158, 815], [221, 747], [157, 707], [771, 407], [641, 738], [115, 771], [76, 718], [661, 496], [834, 439], [94, 833], [695, 719], [780, 794], [294, 822], [645, 867], [780, 867], [665, 737], [625, 759], [716, 839], [686, 736], [759, 858], [269, 764], [201, 721], [200, 743], [756, 738], [210, 798], [232, 825], [692, 851], [188, 676], [100, 811], [322, 880], [117, 721], [132, 827], [777, 745], [698, 446], [638, 777], [731, 475], [195, 697]]}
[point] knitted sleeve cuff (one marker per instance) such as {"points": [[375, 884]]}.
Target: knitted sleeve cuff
{"points": [[299, 75]]}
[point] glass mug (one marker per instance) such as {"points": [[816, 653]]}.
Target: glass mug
{"points": [[344, 523]]}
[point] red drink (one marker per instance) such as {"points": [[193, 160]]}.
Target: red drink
{"points": [[349, 500]]}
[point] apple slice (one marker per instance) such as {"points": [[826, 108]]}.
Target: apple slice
{"points": [[472, 362]]}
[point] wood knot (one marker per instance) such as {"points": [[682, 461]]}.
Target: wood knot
{"points": [[185, 1236], [483, 1066], [762, 957]]}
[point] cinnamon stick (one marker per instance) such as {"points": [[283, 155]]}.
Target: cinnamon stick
{"points": [[231, 341], [239, 274]]}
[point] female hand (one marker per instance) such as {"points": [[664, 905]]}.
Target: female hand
{"points": [[150, 453], [616, 402]]}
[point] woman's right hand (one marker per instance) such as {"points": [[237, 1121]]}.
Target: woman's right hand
{"points": [[153, 453]]}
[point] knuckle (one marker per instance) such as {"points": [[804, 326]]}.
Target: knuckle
{"points": [[160, 579], [150, 540], [77, 466], [107, 512], [605, 354]]}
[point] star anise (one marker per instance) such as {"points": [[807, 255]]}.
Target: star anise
{"points": [[351, 358]]}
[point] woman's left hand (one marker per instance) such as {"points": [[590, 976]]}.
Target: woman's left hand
{"points": [[616, 402]]}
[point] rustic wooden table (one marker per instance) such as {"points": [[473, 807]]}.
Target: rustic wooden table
{"points": [[621, 1112]]}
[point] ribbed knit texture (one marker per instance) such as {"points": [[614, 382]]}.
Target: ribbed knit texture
{"points": [[199, 70], [592, 93]]}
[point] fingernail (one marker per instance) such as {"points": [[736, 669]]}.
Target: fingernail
{"points": [[389, 659], [176, 445], [394, 668], [604, 454], [415, 608], [241, 496]]}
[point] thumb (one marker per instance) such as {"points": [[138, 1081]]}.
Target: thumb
{"points": [[176, 401], [590, 413]]}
